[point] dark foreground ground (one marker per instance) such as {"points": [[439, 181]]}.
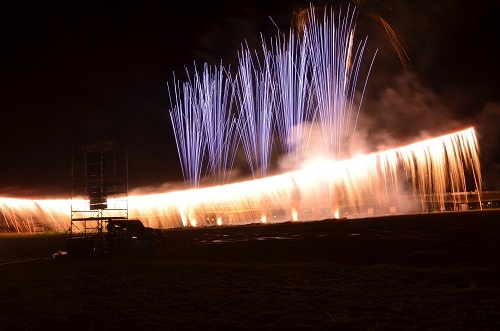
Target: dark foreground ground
{"points": [[424, 272]]}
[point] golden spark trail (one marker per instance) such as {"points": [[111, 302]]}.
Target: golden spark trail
{"points": [[412, 178]]}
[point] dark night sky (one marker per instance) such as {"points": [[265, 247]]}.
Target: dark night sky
{"points": [[77, 74]]}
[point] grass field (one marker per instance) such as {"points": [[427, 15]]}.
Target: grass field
{"points": [[421, 272]]}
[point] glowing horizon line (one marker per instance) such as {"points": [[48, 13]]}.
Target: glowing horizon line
{"points": [[344, 183]]}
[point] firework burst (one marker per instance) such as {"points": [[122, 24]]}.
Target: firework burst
{"points": [[305, 82]]}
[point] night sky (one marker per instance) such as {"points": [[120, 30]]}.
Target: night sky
{"points": [[79, 74]]}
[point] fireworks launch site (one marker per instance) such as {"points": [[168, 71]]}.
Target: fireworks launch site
{"points": [[282, 220]]}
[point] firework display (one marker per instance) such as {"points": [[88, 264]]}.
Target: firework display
{"points": [[300, 86], [299, 103]]}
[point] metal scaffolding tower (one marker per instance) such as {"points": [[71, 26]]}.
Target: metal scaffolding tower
{"points": [[99, 193]]}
